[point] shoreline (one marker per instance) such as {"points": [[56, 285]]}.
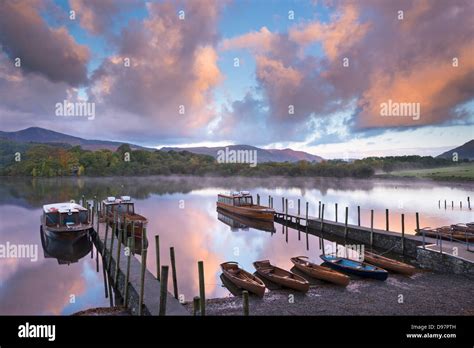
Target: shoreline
{"points": [[425, 293]]}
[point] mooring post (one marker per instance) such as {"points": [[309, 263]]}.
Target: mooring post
{"points": [[345, 222], [142, 282], [83, 200], [439, 203], [335, 209], [163, 289], [157, 252], [299, 211], [202, 291], [258, 199], [119, 246], [417, 218], [358, 215], [286, 209], [283, 205], [105, 237], [245, 302], [371, 227], [173, 272], [386, 220], [307, 221], [195, 305], [444, 204], [460, 205], [111, 245], [452, 204], [469, 203], [319, 210], [322, 218], [127, 274], [403, 234], [133, 237], [105, 279]]}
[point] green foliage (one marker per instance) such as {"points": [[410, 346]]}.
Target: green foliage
{"points": [[41, 160]]}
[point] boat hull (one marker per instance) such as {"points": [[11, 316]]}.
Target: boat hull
{"points": [[254, 212], [320, 272], [389, 264], [280, 276], [243, 279], [335, 263]]}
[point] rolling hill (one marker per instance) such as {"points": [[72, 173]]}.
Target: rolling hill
{"points": [[465, 151]]}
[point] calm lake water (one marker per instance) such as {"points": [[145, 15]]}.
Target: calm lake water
{"points": [[182, 210]]}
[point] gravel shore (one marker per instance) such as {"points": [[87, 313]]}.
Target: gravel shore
{"points": [[424, 293]]}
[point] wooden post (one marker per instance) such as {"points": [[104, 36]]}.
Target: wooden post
{"points": [[144, 238], [269, 201], [258, 199], [106, 235], [133, 237], [452, 204], [439, 203], [119, 246], [173, 272], [371, 227], [444, 204], [358, 215], [283, 204], [157, 252], [319, 210], [460, 205], [469, 203], [307, 221], [142, 283], [345, 222], [202, 291], [245, 301], [386, 220], [111, 245], [403, 234], [335, 208], [127, 274], [417, 216], [299, 206], [163, 289], [195, 305], [105, 278], [322, 218], [83, 200], [286, 209]]}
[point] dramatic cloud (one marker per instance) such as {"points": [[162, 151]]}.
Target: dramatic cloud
{"points": [[51, 52], [173, 69]]}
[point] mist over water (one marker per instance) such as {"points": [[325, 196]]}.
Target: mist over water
{"points": [[182, 211]]}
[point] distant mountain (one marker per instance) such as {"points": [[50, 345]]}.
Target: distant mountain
{"points": [[263, 155], [41, 135], [465, 151]]}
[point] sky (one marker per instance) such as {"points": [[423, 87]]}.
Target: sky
{"points": [[309, 75]]}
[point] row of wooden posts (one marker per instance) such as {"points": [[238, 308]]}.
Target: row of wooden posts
{"points": [[452, 204], [321, 218], [199, 302]]}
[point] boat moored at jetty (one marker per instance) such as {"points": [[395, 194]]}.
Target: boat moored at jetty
{"points": [[241, 203], [123, 209], [65, 218]]}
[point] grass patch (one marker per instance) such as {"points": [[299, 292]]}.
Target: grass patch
{"points": [[456, 172]]}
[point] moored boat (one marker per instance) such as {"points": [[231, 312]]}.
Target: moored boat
{"points": [[460, 233], [320, 272], [123, 209], [280, 276], [353, 267], [389, 264], [65, 218], [241, 203], [237, 222], [243, 279]]}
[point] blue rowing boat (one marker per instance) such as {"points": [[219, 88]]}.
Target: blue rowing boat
{"points": [[348, 266]]}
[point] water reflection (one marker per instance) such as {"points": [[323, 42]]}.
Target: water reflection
{"points": [[182, 211], [65, 248], [237, 223]]}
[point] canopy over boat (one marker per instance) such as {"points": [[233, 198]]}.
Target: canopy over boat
{"points": [[63, 208]]}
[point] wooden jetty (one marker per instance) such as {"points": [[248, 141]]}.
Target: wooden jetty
{"points": [[432, 253]]}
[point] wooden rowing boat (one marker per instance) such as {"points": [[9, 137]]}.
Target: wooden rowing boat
{"points": [[243, 279], [319, 272], [389, 264], [448, 232], [241, 203], [280, 276], [353, 267]]}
